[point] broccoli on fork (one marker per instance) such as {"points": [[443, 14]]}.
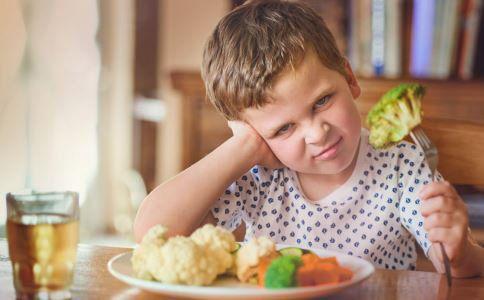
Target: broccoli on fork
{"points": [[395, 115]]}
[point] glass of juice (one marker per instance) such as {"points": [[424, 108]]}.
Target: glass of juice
{"points": [[42, 233]]}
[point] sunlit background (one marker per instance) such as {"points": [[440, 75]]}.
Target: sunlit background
{"points": [[84, 94], [90, 96]]}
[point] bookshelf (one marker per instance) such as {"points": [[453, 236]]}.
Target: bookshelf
{"points": [[439, 39]]}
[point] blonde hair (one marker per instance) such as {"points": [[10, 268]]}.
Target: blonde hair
{"points": [[254, 44]]}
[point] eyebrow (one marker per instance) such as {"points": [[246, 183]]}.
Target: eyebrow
{"points": [[274, 129]]}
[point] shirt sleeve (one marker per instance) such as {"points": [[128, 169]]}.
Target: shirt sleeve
{"points": [[414, 175], [230, 208]]}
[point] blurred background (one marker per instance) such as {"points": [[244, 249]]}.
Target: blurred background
{"points": [[104, 97]]}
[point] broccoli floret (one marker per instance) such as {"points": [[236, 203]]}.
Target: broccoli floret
{"points": [[281, 273], [395, 115]]}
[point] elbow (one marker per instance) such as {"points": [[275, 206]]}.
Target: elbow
{"points": [[141, 223], [139, 228], [138, 232]]}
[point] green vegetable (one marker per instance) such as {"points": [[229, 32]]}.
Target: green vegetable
{"points": [[294, 251], [237, 247], [395, 115], [281, 273], [291, 251]]}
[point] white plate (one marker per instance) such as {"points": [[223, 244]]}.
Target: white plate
{"points": [[230, 288]]}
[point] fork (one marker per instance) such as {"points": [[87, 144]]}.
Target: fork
{"points": [[432, 156]]}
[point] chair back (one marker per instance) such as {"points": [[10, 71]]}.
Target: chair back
{"points": [[461, 149]]}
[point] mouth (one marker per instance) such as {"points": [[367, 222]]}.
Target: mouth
{"points": [[329, 152]]}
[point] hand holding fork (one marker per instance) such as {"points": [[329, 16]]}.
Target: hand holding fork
{"points": [[445, 213]]}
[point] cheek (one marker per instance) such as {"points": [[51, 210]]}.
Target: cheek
{"points": [[348, 119], [287, 151]]}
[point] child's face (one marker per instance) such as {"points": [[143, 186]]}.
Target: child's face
{"points": [[313, 125]]}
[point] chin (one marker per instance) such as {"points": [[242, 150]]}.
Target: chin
{"points": [[333, 167]]}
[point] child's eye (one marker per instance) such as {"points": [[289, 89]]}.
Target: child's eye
{"points": [[284, 129], [321, 102]]}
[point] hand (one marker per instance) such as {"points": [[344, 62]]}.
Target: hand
{"points": [[446, 220], [264, 155]]}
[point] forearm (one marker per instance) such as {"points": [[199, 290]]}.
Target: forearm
{"points": [[182, 202]]}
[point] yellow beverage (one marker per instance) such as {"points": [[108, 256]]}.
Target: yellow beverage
{"points": [[42, 248]]}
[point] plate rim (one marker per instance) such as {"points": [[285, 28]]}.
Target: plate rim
{"points": [[204, 291]]}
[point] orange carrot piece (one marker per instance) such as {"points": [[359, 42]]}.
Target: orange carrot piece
{"points": [[331, 260], [345, 274], [305, 275], [326, 273], [262, 268], [316, 270]]}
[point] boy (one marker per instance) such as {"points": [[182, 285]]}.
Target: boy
{"points": [[298, 167]]}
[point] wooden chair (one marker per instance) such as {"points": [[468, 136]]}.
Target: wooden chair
{"points": [[461, 149], [461, 156]]}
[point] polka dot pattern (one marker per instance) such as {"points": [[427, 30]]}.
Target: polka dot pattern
{"points": [[375, 215]]}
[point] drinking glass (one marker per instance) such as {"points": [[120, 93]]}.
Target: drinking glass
{"points": [[42, 234]]}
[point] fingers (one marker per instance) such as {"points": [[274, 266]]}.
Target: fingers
{"points": [[439, 204], [243, 129], [449, 237], [448, 229], [236, 126], [440, 197], [434, 189], [444, 220]]}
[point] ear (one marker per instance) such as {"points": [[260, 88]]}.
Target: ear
{"points": [[352, 82]]}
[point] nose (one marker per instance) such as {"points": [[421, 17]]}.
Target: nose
{"points": [[316, 133]]}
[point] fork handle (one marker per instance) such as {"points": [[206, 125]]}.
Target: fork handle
{"points": [[444, 253], [446, 265]]}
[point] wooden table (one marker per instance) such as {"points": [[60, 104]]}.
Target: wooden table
{"points": [[93, 281]]}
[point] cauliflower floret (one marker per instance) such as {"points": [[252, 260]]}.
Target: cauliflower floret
{"points": [[214, 237], [155, 235], [195, 260], [218, 242], [249, 255], [148, 251], [182, 261]]}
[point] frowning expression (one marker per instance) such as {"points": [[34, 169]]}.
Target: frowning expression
{"points": [[311, 124]]}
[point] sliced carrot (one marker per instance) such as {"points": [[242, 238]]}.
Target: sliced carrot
{"points": [[309, 259], [316, 270], [326, 273], [305, 275], [262, 268], [331, 260], [345, 274]]}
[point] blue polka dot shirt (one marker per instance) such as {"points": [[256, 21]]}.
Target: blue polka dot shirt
{"points": [[375, 215]]}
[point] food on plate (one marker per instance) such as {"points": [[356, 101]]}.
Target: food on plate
{"points": [[249, 256], [147, 251], [281, 272], [220, 243], [305, 270], [195, 260], [395, 115], [293, 251], [212, 251], [316, 271]]}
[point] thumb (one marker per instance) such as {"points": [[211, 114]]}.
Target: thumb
{"points": [[233, 125]]}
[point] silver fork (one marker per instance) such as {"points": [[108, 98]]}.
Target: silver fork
{"points": [[432, 155]]}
